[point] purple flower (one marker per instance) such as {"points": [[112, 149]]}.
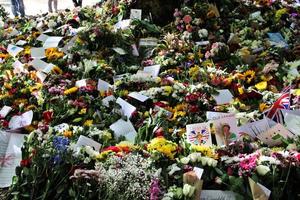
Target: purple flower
{"points": [[57, 159], [155, 190]]}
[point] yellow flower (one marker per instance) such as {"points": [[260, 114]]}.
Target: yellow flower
{"points": [[88, 123], [261, 85], [205, 151], [7, 85], [263, 107], [82, 111], [266, 77], [279, 13], [37, 86], [249, 75], [53, 54], [241, 90], [164, 146], [71, 90], [68, 134], [57, 70], [29, 128], [167, 90], [194, 72], [296, 92]]}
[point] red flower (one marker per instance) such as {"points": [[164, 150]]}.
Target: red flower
{"points": [[187, 19], [193, 108], [48, 115], [112, 148], [191, 98], [159, 132], [229, 171], [160, 104], [115, 10], [25, 162], [5, 123]]}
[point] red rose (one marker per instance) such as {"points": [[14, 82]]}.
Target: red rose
{"points": [[48, 115], [25, 162]]}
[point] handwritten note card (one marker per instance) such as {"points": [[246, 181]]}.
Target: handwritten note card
{"points": [[10, 156]]}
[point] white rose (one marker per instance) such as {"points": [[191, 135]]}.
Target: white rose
{"points": [[185, 160], [195, 157], [203, 33], [262, 170]]}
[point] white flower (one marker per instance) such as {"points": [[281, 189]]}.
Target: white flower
{"points": [[174, 168], [262, 170], [185, 160], [188, 190], [203, 33], [195, 157]]}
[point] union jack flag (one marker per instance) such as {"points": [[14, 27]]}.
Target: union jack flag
{"points": [[283, 102]]}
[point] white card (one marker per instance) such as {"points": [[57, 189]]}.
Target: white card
{"points": [[267, 137], [85, 141], [48, 68], [217, 115], [126, 107], [153, 70], [39, 64], [108, 99], [119, 77], [148, 42], [18, 67], [217, 195], [266, 190], [136, 14], [42, 76], [37, 52], [258, 127], [199, 172], [292, 122], [103, 86], [202, 43], [142, 74], [43, 38], [21, 121], [4, 111], [119, 50], [14, 50], [69, 45], [224, 97], [81, 83], [138, 96], [199, 134], [21, 42], [10, 150], [124, 128], [52, 42], [123, 25]]}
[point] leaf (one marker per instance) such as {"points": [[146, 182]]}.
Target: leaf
{"points": [[276, 137], [219, 171]]}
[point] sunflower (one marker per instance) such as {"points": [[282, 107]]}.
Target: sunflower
{"points": [[263, 107], [249, 75]]}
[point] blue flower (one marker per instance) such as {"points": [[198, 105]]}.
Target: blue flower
{"points": [[57, 159], [60, 143]]}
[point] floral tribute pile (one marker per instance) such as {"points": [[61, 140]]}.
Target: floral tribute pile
{"points": [[122, 109]]}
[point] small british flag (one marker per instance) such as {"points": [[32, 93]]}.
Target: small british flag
{"points": [[283, 102]]}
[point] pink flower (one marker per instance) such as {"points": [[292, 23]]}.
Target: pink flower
{"points": [[248, 163], [187, 19], [177, 13]]}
